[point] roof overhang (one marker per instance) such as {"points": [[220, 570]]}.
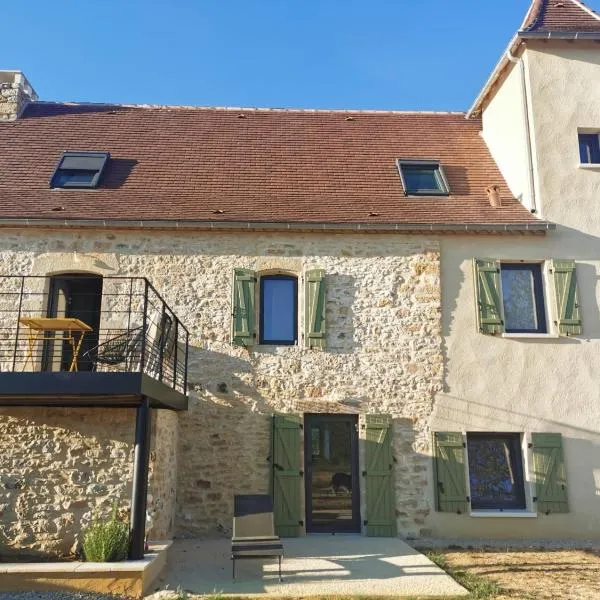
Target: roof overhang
{"points": [[513, 48], [33, 223], [559, 35]]}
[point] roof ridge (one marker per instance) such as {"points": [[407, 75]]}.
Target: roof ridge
{"points": [[253, 108]]}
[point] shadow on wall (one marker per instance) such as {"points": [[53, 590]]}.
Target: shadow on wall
{"points": [[224, 442], [582, 456], [58, 465]]}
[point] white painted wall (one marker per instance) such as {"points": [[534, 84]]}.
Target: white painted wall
{"points": [[504, 133], [543, 384]]}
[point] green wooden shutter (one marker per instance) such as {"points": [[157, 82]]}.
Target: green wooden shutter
{"points": [[243, 329], [449, 473], [380, 495], [549, 473], [286, 475], [314, 309], [488, 296], [567, 297]]}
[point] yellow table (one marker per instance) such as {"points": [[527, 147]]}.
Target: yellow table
{"points": [[39, 326]]}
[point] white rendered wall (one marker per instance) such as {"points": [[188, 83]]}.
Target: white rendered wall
{"points": [[545, 384], [504, 133]]}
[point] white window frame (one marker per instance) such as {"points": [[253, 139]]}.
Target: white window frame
{"points": [[547, 293]]}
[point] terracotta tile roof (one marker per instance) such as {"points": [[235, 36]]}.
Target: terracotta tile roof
{"points": [[249, 165], [561, 15]]}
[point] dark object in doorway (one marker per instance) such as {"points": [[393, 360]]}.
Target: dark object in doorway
{"points": [[341, 481]]}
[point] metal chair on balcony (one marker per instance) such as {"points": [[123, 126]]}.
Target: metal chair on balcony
{"points": [[121, 349]]}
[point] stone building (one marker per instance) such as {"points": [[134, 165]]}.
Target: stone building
{"points": [[388, 320]]}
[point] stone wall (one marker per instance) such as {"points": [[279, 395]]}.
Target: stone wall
{"points": [[58, 468], [383, 349]]}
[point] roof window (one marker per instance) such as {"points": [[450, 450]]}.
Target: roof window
{"points": [[423, 177], [79, 170]]}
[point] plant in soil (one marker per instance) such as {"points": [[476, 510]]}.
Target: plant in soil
{"points": [[106, 541]]}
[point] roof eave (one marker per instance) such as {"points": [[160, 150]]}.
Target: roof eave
{"points": [[525, 227], [559, 35], [476, 107]]}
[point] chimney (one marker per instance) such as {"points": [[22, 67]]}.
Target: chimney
{"points": [[493, 194], [15, 94]]}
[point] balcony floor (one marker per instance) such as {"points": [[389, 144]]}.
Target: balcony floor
{"points": [[91, 389]]}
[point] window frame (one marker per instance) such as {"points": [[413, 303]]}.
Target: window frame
{"points": [[590, 139], [517, 457], [100, 157], [538, 293], [261, 320], [439, 174]]}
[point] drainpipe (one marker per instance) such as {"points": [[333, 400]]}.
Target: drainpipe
{"points": [[519, 61]]}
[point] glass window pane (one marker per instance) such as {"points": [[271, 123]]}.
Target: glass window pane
{"points": [[278, 316], [74, 177], [519, 299], [422, 178], [589, 148], [494, 472], [418, 179]]}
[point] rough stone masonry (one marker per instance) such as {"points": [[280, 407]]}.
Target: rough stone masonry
{"points": [[384, 354]]}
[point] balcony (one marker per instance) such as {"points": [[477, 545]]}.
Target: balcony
{"points": [[84, 340]]}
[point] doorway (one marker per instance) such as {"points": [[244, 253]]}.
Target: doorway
{"points": [[80, 297], [331, 466]]}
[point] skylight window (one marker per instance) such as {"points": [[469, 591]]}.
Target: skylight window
{"points": [[79, 170], [423, 178]]}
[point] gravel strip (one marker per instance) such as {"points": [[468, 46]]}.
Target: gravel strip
{"points": [[58, 596]]}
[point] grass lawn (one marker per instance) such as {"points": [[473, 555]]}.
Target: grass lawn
{"points": [[524, 574]]}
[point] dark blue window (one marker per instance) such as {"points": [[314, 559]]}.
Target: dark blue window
{"points": [[423, 178], [589, 148], [79, 169], [278, 309], [495, 471]]}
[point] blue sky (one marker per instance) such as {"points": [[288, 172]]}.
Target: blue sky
{"points": [[379, 54]]}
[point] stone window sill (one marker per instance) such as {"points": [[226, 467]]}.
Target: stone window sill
{"points": [[531, 335], [592, 166], [521, 514]]}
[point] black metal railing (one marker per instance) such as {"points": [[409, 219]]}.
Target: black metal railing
{"points": [[81, 322]]}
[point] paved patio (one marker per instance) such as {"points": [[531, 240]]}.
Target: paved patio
{"points": [[313, 565]]}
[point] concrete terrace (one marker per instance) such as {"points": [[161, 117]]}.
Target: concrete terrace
{"points": [[313, 566]]}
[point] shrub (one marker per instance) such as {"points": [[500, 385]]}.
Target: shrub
{"points": [[106, 541]]}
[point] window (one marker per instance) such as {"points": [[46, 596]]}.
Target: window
{"points": [[423, 178], [495, 471], [265, 309], [589, 148], [509, 297], [79, 170], [278, 309], [523, 298]]}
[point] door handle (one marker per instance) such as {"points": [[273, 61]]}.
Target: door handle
{"points": [[278, 467], [441, 487]]}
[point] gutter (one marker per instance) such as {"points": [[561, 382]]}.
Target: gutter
{"points": [[33, 223], [559, 35], [525, 108]]}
